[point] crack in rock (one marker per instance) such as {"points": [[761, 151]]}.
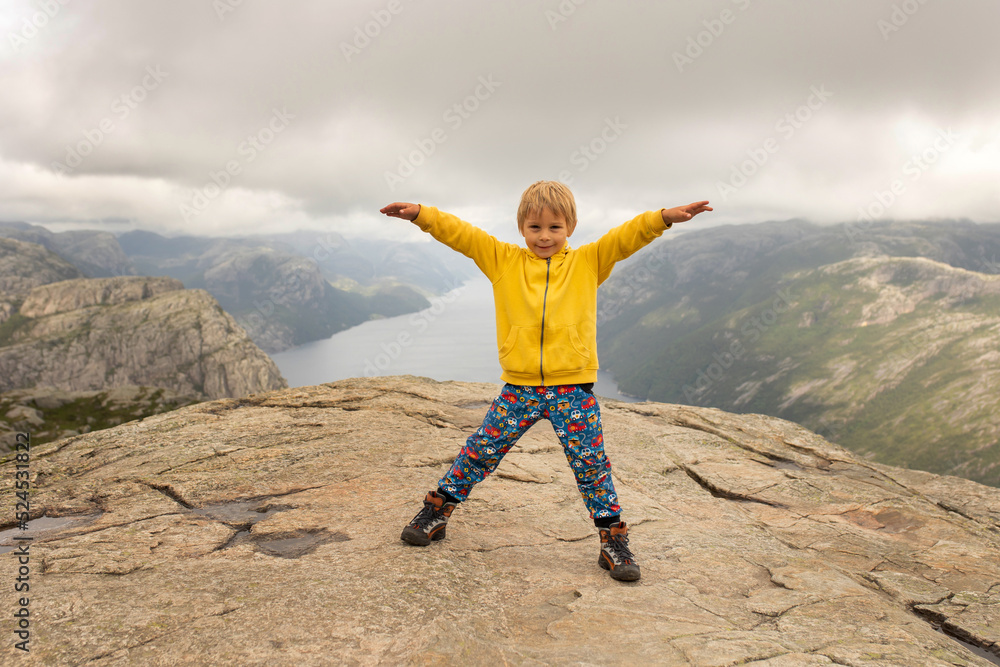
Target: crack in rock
{"points": [[169, 492], [942, 624], [719, 492], [952, 507], [684, 420], [142, 643], [240, 516], [215, 454], [432, 419]]}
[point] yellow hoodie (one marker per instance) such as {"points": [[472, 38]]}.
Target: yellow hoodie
{"points": [[546, 309]]}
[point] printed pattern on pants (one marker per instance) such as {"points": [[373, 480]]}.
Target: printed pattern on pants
{"points": [[576, 418]]}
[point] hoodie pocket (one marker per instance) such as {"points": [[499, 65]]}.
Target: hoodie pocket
{"points": [[520, 352], [564, 351]]}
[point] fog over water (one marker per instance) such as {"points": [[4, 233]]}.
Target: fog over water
{"points": [[454, 339]]}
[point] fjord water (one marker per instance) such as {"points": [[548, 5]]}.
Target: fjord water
{"points": [[454, 339]]}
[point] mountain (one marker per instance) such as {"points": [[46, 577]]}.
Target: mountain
{"points": [[836, 330], [355, 262], [99, 333], [283, 299], [266, 531], [284, 289], [26, 265], [894, 358], [78, 354], [429, 267], [280, 297], [96, 254]]}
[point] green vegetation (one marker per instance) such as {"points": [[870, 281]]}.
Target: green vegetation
{"points": [[69, 413], [10, 328], [891, 358]]}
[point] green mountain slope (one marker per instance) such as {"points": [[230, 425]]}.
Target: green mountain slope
{"points": [[893, 357]]}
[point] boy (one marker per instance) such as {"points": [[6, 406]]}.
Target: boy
{"points": [[546, 318]]}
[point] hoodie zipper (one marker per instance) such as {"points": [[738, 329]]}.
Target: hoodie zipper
{"points": [[541, 344]]}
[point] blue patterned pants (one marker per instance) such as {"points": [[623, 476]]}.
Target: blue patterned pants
{"points": [[576, 418]]}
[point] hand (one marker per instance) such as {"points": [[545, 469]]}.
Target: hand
{"points": [[401, 210], [684, 213]]}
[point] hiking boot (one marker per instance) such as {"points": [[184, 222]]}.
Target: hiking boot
{"points": [[615, 555], [430, 522]]}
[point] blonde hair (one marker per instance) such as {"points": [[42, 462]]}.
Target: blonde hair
{"points": [[551, 195]]}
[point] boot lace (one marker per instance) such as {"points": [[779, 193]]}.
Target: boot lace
{"points": [[425, 516], [619, 545]]}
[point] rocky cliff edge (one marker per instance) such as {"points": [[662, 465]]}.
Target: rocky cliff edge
{"points": [[265, 530], [92, 334]]}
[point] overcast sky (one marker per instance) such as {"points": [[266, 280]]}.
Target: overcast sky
{"points": [[314, 114]]}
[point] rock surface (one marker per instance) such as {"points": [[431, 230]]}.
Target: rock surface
{"points": [[265, 531], [75, 294], [101, 333]]}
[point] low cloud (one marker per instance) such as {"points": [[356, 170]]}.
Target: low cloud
{"points": [[359, 112]]}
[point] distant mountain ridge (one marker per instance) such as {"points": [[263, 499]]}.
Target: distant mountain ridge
{"points": [[99, 333], [850, 331], [356, 262], [284, 289], [25, 265], [428, 266], [279, 287], [96, 254]]}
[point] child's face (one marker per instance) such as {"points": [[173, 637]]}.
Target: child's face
{"points": [[545, 232]]}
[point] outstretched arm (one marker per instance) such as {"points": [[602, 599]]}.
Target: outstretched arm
{"points": [[401, 210], [626, 239], [489, 254], [684, 213]]}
